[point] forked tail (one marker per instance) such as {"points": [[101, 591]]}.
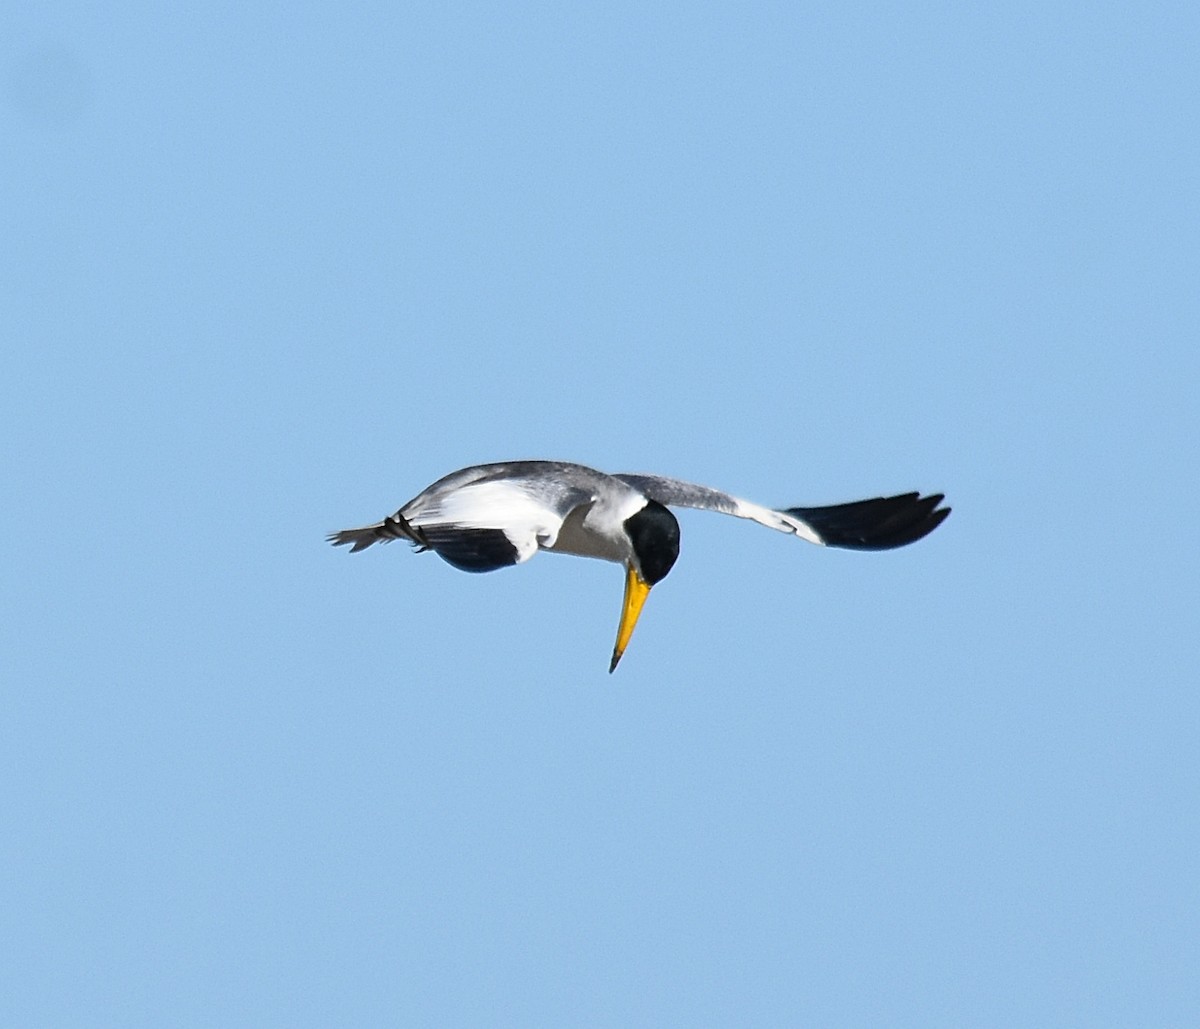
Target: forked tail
{"points": [[394, 527]]}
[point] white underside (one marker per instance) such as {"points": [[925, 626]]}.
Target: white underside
{"points": [[589, 530]]}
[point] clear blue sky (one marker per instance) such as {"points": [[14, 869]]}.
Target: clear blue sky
{"points": [[269, 270]]}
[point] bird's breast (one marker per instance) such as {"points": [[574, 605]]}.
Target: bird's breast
{"points": [[593, 530]]}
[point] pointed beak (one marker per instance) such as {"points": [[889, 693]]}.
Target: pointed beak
{"points": [[636, 592]]}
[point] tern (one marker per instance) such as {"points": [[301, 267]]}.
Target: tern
{"points": [[491, 516]]}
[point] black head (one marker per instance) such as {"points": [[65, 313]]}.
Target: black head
{"points": [[654, 534]]}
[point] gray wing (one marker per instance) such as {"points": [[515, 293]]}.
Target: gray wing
{"points": [[881, 523], [677, 493], [550, 475]]}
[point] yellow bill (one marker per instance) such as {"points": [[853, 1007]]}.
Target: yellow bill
{"points": [[636, 592]]}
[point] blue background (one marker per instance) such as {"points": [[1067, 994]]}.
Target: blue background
{"points": [[268, 272]]}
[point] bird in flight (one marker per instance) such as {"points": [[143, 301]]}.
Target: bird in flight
{"points": [[490, 516]]}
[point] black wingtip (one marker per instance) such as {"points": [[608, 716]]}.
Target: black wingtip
{"points": [[882, 523]]}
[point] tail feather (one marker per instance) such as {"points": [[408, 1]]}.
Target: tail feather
{"points": [[394, 527]]}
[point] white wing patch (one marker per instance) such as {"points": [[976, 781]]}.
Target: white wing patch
{"points": [[776, 520], [498, 504]]}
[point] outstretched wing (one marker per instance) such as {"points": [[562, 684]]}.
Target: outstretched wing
{"points": [[878, 524], [492, 522]]}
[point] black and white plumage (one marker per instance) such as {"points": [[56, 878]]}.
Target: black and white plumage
{"points": [[491, 516]]}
